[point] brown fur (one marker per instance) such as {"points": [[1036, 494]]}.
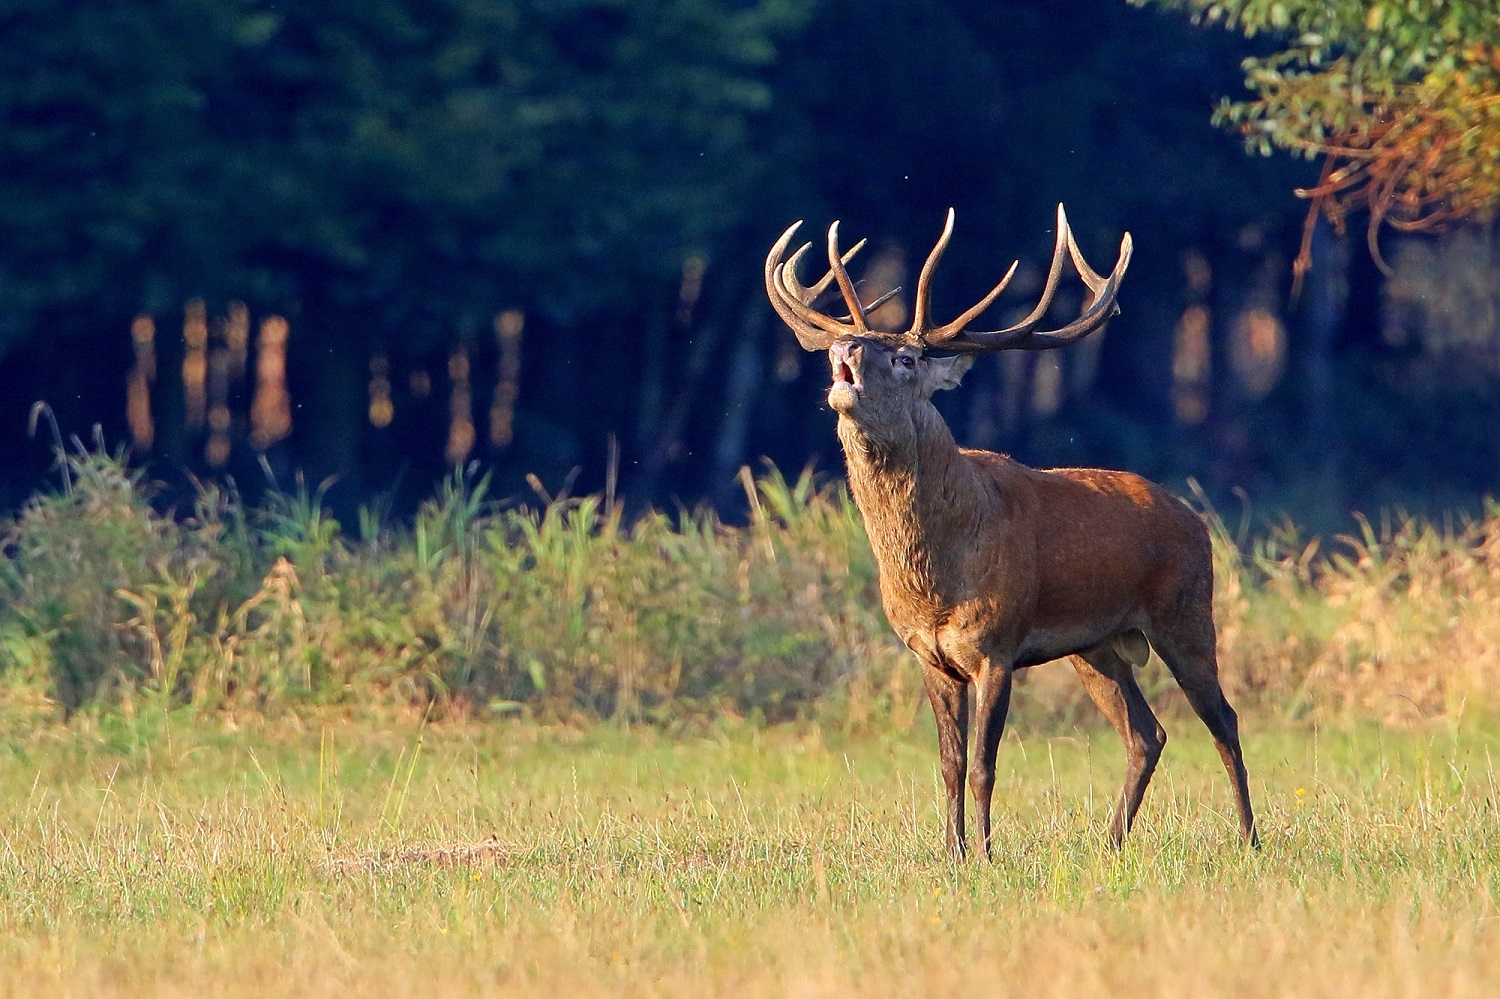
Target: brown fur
{"points": [[987, 566]]}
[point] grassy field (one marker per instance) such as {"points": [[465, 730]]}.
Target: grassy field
{"points": [[245, 751], [163, 854]]}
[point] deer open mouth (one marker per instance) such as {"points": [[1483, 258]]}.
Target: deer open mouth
{"points": [[842, 372], [845, 392]]}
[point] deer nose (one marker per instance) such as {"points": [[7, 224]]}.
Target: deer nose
{"points": [[847, 351]]}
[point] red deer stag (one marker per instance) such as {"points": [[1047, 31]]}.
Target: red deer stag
{"points": [[988, 566]]}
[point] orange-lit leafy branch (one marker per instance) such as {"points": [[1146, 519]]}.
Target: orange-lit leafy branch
{"points": [[1419, 158], [1401, 101]]}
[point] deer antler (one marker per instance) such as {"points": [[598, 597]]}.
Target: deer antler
{"points": [[793, 302], [816, 330], [955, 338]]}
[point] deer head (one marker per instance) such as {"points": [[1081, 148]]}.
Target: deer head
{"points": [[879, 377]]}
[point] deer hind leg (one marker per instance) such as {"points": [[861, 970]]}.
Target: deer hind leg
{"points": [[993, 704], [950, 706], [1110, 682], [1187, 645]]}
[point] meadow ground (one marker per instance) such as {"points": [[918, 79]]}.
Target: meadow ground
{"points": [[172, 855], [678, 757]]}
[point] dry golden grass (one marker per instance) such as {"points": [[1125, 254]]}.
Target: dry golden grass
{"points": [[150, 846], [160, 857], [1399, 623]]}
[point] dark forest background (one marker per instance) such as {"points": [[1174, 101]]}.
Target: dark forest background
{"points": [[368, 241]]}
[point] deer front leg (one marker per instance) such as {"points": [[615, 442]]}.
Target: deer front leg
{"points": [[993, 685], [950, 706]]}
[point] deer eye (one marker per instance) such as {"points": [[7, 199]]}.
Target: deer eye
{"points": [[905, 362]]}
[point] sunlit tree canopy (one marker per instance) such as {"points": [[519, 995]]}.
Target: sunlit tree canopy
{"points": [[1400, 99]]}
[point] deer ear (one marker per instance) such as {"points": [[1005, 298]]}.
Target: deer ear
{"points": [[948, 371]]}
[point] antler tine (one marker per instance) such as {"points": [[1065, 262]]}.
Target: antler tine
{"points": [[954, 328], [786, 274], [814, 330], [822, 285], [798, 294], [1087, 274], [789, 268], [811, 294], [872, 306], [1024, 335], [846, 286], [809, 335], [1097, 314], [924, 282], [1054, 275], [788, 277], [829, 329]]}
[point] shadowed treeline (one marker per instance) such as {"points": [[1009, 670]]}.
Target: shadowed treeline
{"points": [[365, 242]]}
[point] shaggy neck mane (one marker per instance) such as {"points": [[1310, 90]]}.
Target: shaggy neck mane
{"points": [[919, 497]]}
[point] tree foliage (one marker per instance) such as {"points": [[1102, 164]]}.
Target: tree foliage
{"points": [[1401, 99], [366, 158]]}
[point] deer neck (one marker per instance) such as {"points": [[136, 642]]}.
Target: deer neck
{"points": [[919, 499]]}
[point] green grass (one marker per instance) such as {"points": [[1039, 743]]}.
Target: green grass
{"points": [[161, 854]]}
